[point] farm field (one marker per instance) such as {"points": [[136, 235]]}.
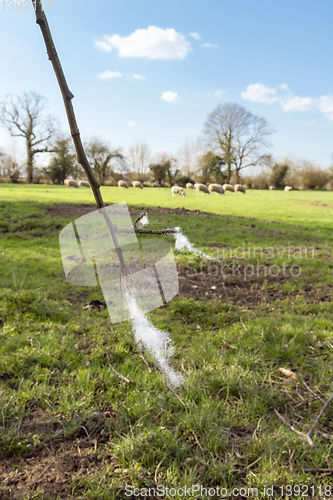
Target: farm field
{"points": [[253, 345]]}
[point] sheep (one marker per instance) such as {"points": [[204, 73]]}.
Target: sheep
{"points": [[217, 188], [179, 190], [272, 188], [201, 187], [288, 188], [228, 187], [240, 188], [84, 184], [137, 184], [122, 184], [189, 185], [71, 183], [156, 185]]}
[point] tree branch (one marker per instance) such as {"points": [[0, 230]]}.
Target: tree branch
{"points": [[81, 155]]}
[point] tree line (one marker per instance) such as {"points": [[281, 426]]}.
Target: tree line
{"points": [[233, 140]]}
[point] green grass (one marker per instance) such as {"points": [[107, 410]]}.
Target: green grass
{"points": [[311, 209], [62, 409]]}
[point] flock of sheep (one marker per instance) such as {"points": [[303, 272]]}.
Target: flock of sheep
{"points": [[212, 188]]}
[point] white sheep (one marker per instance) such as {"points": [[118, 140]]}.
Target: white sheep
{"points": [[137, 184], [179, 190], [240, 188], [71, 183], [272, 188], [156, 185], [288, 188], [216, 188], [84, 184], [189, 185], [201, 187], [228, 187], [122, 184]]}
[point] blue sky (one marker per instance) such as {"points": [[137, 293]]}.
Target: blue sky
{"points": [[152, 70]]}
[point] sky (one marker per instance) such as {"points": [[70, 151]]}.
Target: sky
{"points": [[150, 70]]}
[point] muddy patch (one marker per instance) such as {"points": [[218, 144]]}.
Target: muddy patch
{"points": [[253, 290], [50, 470], [74, 209]]}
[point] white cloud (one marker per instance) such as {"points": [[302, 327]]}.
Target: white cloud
{"points": [[298, 103], [132, 124], [103, 46], [109, 74], [170, 97], [326, 104], [135, 76], [152, 43], [209, 45], [257, 92], [195, 35], [219, 93]]}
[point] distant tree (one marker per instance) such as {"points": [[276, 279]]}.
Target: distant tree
{"points": [[138, 159], [238, 135], [278, 175], [100, 156], [188, 156], [164, 168], [159, 171], [10, 166], [62, 163], [212, 168], [23, 117], [183, 180]]}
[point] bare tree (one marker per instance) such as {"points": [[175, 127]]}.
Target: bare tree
{"points": [[10, 166], [100, 156], [238, 135], [138, 158], [23, 117], [188, 156]]}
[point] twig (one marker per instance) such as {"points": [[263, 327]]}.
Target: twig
{"points": [[308, 435], [316, 422], [326, 435], [119, 375], [228, 345], [254, 435], [145, 361], [316, 470], [197, 440], [248, 466], [158, 466], [291, 458], [170, 389], [139, 218], [305, 436], [160, 413], [241, 319], [312, 392]]}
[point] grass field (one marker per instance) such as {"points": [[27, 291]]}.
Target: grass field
{"points": [[260, 340]]}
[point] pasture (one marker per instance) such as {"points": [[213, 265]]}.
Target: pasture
{"points": [[256, 341]]}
